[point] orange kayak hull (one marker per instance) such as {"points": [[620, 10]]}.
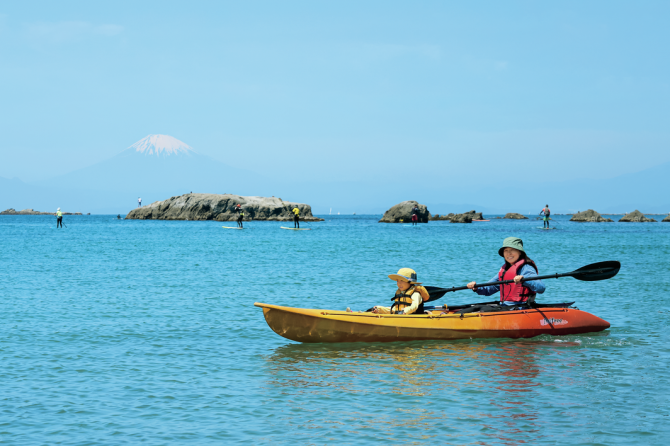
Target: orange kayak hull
{"points": [[311, 325]]}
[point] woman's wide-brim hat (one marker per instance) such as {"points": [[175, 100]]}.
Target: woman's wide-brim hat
{"points": [[511, 242], [406, 275]]}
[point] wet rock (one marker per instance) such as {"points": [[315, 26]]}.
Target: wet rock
{"points": [[666, 219], [402, 213], [515, 216], [636, 217], [221, 208], [589, 216]]}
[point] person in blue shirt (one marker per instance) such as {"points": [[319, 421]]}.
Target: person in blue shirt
{"points": [[517, 267]]}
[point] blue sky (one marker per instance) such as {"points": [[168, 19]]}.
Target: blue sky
{"points": [[448, 91]]}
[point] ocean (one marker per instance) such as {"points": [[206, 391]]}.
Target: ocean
{"points": [[144, 332]]}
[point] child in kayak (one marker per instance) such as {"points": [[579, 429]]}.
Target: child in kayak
{"points": [[408, 298], [517, 266]]}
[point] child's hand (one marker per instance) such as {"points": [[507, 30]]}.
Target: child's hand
{"points": [[471, 285], [518, 279]]}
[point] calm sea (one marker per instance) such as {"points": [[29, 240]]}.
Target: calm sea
{"points": [[144, 332]]}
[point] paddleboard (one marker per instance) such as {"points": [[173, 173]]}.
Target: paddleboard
{"points": [[411, 226], [481, 220], [297, 229], [546, 229], [230, 227]]}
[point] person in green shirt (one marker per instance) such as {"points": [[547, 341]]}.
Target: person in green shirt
{"points": [[59, 218]]}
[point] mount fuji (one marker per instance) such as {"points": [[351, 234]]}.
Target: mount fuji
{"points": [[154, 168]]}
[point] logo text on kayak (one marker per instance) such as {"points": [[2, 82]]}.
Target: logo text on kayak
{"points": [[552, 321]]}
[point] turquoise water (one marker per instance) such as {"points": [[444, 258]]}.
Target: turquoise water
{"points": [[129, 332]]}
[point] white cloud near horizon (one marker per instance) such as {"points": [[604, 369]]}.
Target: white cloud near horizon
{"points": [[63, 32]]}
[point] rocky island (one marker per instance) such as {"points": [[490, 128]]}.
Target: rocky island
{"points": [[402, 213], [221, 208], [12, 211], [636, 217], [589, 216], [666, 219], [515, 216], [438, 217], [467, 217]]}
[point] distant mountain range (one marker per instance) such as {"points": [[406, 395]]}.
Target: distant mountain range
{"points": [[160, 166]]}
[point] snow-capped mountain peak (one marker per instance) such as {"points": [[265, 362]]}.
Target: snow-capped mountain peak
{"points": [[161, 145]]}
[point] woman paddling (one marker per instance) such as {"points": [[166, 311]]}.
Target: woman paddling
{"points": [[517, 266]]}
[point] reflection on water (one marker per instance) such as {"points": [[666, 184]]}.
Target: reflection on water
{"points": [[496, 379]]}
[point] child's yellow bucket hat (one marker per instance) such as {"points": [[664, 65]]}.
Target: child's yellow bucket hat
{"points": [[406, 275]]}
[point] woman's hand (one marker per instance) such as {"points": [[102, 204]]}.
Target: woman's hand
{"points": [[518, 279], [471, 285]]}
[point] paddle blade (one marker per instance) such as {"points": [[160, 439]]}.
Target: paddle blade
{"points": [[597, 271], [435, 292]]}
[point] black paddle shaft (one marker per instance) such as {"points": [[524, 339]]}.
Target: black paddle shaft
{"points": [[588, 273]]}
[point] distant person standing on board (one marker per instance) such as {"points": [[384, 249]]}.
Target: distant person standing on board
{"points": [[296, 217], [546, 212], [139, 202], [415, 215], [59, 218], [240, 216]]}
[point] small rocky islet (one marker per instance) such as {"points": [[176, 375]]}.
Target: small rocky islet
{"points": [[221, 207], [12, 211], [589, 216], [637, 217], [402, 213], [515, 216]]}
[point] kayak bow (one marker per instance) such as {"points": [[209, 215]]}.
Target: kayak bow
{"points": [[311, 325]]}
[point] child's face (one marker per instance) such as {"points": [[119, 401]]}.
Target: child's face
{"points": [[511, 255], [402, 286]]}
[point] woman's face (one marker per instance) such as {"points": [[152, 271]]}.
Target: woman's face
{"points": [[402, 286], [511, 255]]}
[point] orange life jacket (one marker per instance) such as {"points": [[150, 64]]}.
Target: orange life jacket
{"points": [[403, 299]]}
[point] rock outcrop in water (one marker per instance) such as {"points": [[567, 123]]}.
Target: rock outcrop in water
{"points": [[461, 218], [666, 219], [442, 217], [467, 217], [12, 211], [402, 213], [221, 208], [589, 216], [636, 217], [515, 216]]}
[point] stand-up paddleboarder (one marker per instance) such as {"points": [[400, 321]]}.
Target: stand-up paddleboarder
{"points": [[546, 212], [59, 219], [240, 216], [296, 217], [415, 215], [139, 202]]}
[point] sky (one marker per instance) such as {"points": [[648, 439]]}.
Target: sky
{"points": [[429, 91]]}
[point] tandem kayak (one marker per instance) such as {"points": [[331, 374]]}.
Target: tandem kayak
{"points": [[310, 325]]}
